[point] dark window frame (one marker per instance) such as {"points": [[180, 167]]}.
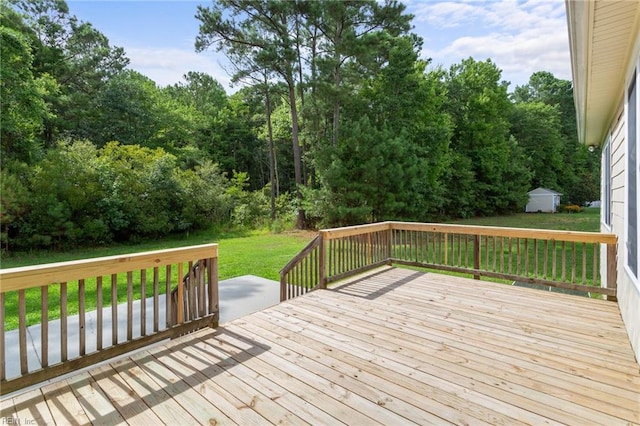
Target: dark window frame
{"points": [[632, 179], [606, 184]]}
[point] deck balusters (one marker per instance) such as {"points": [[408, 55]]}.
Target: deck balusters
{"points": [[22, 324], [82, 319], [99, 314], [28, 288], [129, 305], [167, 293], [506, 253], [44, 325], [114, 309], [156, 304], [63, 322], [143, 302]]}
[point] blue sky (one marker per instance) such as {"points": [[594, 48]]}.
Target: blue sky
{"points": [[520, 36]]}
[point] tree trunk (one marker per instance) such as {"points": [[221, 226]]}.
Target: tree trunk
{"points": [[297, 157], [301, 94], [337, 57], [272, 153]]}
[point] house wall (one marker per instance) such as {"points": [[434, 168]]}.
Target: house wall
{"points": [[628, 293]]}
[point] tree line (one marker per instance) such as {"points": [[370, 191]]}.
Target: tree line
{"points": [[338, 122]]}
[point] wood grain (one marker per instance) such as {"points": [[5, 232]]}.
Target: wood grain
{"points": [[396, 346]]}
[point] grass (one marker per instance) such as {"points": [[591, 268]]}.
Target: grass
{"points": [[588, 220], [253, 252]]}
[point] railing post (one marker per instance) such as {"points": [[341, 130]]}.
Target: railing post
{"points": [[476, 255], [214, 292], [3, 374], [283, 286], [612, 269], [389, 244], [322, 262], [180, 298]]}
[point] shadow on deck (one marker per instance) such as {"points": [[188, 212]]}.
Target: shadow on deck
{"points": [[393, 347]]}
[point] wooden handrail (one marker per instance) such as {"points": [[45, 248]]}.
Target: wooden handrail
{"points": [[347, 231], [38, 275], [498, 231], [302, 254], [302, 273]]}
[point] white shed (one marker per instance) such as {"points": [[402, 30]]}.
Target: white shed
{"points": [[543, 200]]}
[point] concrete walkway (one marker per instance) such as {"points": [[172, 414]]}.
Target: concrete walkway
{"points": [[238, 296]]}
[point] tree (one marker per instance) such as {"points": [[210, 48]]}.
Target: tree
{"points": [[198, 104], [24, 109], [480, 107], [201, 91], [143, 196], [247, 69], [544, 87], [236, 141], [13, 205], [262, 31], [538, 131], [265, 95], [271, 37], [389, 160], [580, 169], [351, 34], [76, 55], [58, 213], [131, 109]]}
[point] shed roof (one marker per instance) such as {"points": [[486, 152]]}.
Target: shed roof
{"points": [[543, 191]]}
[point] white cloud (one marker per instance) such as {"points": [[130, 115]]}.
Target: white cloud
{"points": [[168, 66], [446, 14], [521, 37]]}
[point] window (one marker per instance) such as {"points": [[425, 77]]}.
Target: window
{"points": [[606, 183], [632, 183]]}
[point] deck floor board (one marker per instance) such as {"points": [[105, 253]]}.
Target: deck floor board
{"points": [[555, 365], [394, 347], [472, 362]]}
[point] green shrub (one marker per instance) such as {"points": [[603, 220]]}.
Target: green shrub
{"points": [[571, 208], [79, 195]]}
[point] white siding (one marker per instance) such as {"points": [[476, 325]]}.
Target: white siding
{"points": [[604, 38], [628, 293]]}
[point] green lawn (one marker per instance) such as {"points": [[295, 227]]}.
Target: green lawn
{"points": [[255, 252], [587, 220]]}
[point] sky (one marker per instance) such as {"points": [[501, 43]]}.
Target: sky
{"points": [[519, 36]]}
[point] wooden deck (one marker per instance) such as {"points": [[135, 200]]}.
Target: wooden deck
{"points": [[397, 347]]}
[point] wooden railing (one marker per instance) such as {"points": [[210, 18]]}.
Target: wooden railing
{"points": [[302, 272], [157, 302], [564, 259]]}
